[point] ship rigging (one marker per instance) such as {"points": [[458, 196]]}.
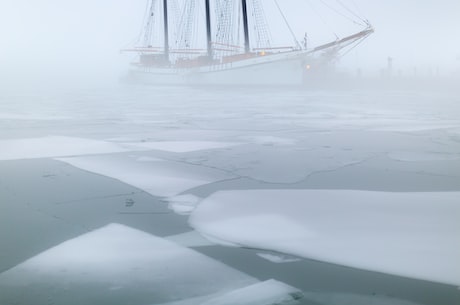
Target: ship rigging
{"points": [[232, 44]]}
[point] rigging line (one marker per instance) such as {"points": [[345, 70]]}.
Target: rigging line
{"points": [[352, 48], [322, 19], [262, 30], [267, 25], [289, 27], [138, 39], [340, 13], [349, 10], [144, 20], [358, 10], [144, 25], [151, 30]]}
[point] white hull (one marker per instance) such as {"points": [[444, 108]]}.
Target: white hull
{"points": [[282, 69]]}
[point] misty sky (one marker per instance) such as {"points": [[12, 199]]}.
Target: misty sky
{"points": [[65, 38]]}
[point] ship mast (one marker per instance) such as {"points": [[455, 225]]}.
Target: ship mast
{"points": [[245, 26], [208, 29], [166, 29]]}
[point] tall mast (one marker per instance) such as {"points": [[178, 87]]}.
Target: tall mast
{"points": [[166, 28], [208, 28], [246, 26]]}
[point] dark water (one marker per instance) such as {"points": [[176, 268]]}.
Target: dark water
{"points": [[45, 202]]}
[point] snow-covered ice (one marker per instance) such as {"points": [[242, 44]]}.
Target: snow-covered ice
{"points": [[159, 178], [407, 234], [167, 142], [416, 156], [148, 159], [61, 146], [31, 117], [270, 292], [278, 258], [183, 204], [269, 140], [55, 146], [336, 298], [183, 146], [124, 260]]}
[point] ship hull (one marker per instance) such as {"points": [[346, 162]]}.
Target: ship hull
{"points": [[283, 69]]}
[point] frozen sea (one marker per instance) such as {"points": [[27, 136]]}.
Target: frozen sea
{"points": [[131, 194]]}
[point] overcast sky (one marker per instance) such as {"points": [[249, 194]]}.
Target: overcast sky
{"points": [[67, 37]]}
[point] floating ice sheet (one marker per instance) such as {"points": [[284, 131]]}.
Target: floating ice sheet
{"points": [[283, 164], [182, 146], [148, 159], [159, 178], [183, 204], [414, 156], [115, 264], [61, 146], [269, 140], [270, 292], [31, 117], [278, 258], [353, 299], [55, 146], [406, 234]]}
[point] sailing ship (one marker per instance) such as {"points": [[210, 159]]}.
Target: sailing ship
{"points": [[230, 45]]}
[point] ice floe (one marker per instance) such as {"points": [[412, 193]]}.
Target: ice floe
{"points": [[414, 156], [148, 159], [182, 146], [269, 140], [270, 292], [278, 258], [55, 146], [32, 117], [283, 164], [161, 178], [407, 234], [183, 204], [62, 146], [129, 263], [353, 299]]}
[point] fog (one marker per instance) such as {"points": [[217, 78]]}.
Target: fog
{"points": [[170, 187], [51, 40]]}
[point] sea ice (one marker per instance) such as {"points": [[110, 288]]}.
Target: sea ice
{"points": [[283, 164], [183, 204], [148, 159], [407, 234], [159, 178], [31, 117], [353, 299], [55, 146], [124, 261], [408, 156], [278, 258], [270, 292], [269, 140], [61, 146], [182, 146]]}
